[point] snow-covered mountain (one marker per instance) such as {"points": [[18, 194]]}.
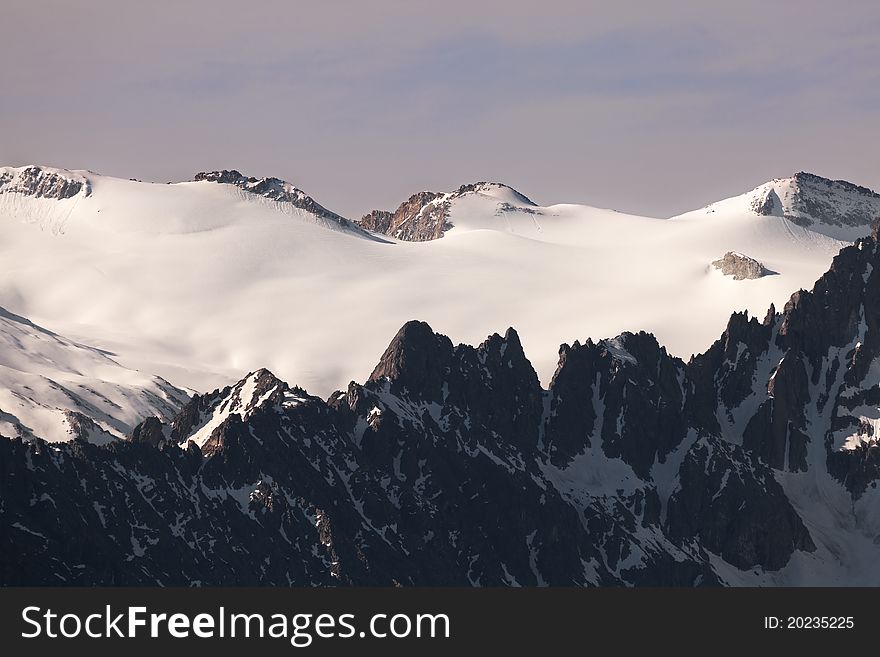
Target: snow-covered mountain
{"points": [[425, 216], [56, 389], [201, 281], [835, 208], [755, 463], [284, 193]]}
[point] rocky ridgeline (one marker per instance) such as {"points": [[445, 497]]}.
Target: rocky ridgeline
{"points": [[43, 182], [280, 191], [274, 189], [422, 217], [807, 199], [425, 216]]}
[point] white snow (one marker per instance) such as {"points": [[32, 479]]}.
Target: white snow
{"points": [[43, 374], [200, 282]]}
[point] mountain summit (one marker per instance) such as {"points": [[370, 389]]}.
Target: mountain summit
{"points": [[425, 216], [836, 208], [280, 191], [43, 182]]}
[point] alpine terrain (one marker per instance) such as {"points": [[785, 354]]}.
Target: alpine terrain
{"points": [[201, 281], [609, 461]]}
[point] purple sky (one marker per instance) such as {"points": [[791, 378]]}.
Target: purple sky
{"points": [[647, 107]]}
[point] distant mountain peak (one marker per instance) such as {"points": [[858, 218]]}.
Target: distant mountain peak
{"points": [[817, 203], [806, 177], [281, 191], [43, 182], [492, 189], [272, 188], [424, 216]]}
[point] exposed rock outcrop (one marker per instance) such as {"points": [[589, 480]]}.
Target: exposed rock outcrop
{"points": [[424, 216], [280, 191], [43, 182], [740, 266]]}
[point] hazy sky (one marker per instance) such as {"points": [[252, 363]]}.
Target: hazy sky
{"points": [[649, 107]]}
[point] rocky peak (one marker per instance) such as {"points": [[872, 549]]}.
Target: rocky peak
{"points": [[200, 419], [507, 350], [499, 388], [494, 385], [151, 431], [43, 182], [493, 189], [226, 176], [842, 304], [424, 216], [640, 388], [415, 362], [272, 188], [805, 179], [818, 203]]}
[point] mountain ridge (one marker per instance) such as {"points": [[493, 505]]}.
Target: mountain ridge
{"points": [[114, 270], [836, 208], [752, 463], [281, 191]]}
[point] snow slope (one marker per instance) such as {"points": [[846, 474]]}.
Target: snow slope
{"points": [[835, 208], [200, 282], [56, 389]]}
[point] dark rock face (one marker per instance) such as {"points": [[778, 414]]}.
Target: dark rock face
{"points": [[452, 466], [778, 426], [415, 362], [812, 199], [730, 502], [151, 431], [36, 181], [642, 399], [817, 200], [858, 468]]}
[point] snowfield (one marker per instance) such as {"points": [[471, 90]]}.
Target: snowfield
{"points": [[201, 282], [44, 376]]}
